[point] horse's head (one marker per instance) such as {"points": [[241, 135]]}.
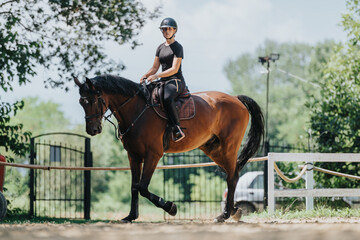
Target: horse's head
{"points": [[93, 104]]}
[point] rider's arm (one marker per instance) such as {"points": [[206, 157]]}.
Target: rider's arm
{"points": [[171, 71], [153, 69]]}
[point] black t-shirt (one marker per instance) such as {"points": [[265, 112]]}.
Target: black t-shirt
{"points": [[166, 56]]}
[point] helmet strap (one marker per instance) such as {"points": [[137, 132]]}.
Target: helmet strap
{"points": [[171, 37]]}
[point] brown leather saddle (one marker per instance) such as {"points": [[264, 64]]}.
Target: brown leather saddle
{"points": [[184, 103]]}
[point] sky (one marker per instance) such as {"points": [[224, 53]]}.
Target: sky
{"points": [[212, 32]]}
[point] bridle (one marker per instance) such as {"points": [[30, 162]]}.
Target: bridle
{"points": [[101, 101]]}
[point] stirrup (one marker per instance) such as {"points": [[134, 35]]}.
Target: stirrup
{"points": [[177, 134]]}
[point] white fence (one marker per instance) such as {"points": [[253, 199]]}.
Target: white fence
{"points": [[309, 192]]}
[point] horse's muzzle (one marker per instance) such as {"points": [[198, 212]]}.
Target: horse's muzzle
{"points": [[93, 129]]}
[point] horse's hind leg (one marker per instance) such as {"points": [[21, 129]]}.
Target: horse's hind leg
{"points": [[227, 159], [231, 180], [150, 164]]}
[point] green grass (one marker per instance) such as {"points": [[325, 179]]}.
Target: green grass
{"points": [[147, 214], [316, 213], [24, 218], [321, 212]]}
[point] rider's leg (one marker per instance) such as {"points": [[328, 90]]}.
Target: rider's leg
{"points": [[171, 91]]}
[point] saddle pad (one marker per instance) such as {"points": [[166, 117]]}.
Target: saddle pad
{"points": [[185, 106]]}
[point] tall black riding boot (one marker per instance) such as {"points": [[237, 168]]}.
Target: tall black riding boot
{"points": [[173, 114]]}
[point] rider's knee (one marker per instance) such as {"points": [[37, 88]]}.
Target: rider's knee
{"points": [[168, 100]]}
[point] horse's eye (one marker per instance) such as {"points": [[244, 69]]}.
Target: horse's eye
{"points": [[84, 101]]}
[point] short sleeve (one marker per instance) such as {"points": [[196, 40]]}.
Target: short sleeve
{"points": [[158, 50], [178, 50]]}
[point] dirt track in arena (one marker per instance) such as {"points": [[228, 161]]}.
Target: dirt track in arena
{"points": [[322, 228]]}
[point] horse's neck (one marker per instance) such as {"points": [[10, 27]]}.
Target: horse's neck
{"points": [[124, 113]]}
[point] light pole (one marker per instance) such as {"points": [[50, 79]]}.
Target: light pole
{"points": [[267, 59]]}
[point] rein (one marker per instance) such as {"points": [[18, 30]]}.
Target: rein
{"points": [[118, 134], [123, 104], [107, 118], [131, 125]]}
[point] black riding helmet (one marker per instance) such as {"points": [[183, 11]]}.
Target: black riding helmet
{"points": [[168, 22]]}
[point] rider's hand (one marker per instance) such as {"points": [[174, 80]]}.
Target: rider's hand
{"points": [[152, 78], [142, 79]]}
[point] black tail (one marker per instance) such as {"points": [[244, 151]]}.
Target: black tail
{"points": [[256, 132]]}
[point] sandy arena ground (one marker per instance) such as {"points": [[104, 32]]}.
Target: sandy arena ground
{"points": [[322, 228]]}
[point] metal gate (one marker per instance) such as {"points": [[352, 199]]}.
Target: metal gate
{"points": [[197, 192], [60, 193]]}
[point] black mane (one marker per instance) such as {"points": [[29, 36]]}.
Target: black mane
{"points": [[115, 85]]}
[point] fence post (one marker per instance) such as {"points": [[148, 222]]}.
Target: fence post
{"points": [[309, 185], [87, 179], [3, 203], [271, 194], [32, 179], [2, 173], [266, 153]]}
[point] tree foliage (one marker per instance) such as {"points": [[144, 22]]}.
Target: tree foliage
{"points": [[40, 117], [59, 36], [11, 136], [335, 115], [287, 95]]}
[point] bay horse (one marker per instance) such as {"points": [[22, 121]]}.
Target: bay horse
{"points": [[218, 129]]}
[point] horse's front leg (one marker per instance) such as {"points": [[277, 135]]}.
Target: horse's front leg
{"points": [[135, 165], [150, 163]]}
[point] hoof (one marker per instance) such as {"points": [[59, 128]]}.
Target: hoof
{"points": [[127, 219], [219, 219], [173, 210], [237, 215]]}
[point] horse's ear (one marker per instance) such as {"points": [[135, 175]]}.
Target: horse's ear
{"points": [[90, 84], [77, 82]]}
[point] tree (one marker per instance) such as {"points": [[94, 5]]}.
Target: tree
{"points": [[335, 115], [11, 136], [287, 115], [40, 117], [60, 36]]}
